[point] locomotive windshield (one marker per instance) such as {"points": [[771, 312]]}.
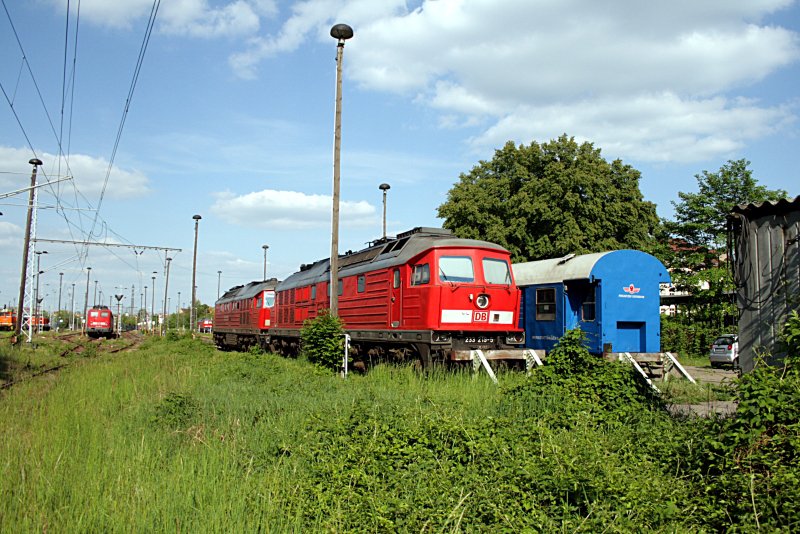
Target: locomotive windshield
{"points": [[496, 271], [456, 269]]}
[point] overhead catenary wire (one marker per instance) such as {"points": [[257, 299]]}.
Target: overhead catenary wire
{"points": [[80, 198], [139, 62]]}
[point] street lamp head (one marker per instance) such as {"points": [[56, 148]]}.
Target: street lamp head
{"points": [[196, 217], [384, 187], [341, 32], [265, 247], [37, 161]]}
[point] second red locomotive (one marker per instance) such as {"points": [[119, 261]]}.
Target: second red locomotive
{"points": [[425, 296], [100, 322]]}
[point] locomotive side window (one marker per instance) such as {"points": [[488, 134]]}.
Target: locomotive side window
{"points": [[496, 271], [314, 292], [362, 283], [396, 279], [421, 275], [546, 304], [456, 269], [588, 308]]}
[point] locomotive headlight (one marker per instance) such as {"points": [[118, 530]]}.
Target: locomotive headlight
{"points": [[515, 339], [441, 337], [482, 301]]}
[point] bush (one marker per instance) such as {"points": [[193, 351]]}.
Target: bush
{"points": [[746, 465], [322, 340]]}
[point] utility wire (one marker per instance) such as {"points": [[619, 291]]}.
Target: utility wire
{"points": [[140, 60]]}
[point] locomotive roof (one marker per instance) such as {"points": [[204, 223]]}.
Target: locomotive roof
{"points": [[384, 254], [247, 291]]}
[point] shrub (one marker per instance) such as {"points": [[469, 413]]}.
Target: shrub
{"points": [[322, 340]]}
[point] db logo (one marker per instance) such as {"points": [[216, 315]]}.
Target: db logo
{"points": [[480, 316]]}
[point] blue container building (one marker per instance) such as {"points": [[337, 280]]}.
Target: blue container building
{"points": [[612, 296]]}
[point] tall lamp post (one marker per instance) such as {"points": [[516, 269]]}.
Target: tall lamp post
{"points": [[60, 281], [384, 188], [165, 310], [72, 309], [340, 32], [153, 304], [86, 301], [265, 247], [36, 300], [21, 305], [219, 279], [194, 273]]}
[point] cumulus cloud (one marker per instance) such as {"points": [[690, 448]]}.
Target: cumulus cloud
{"points": [[10, 235], [87, 173], [658, 127], [196, 18], [606, 71], [289, 209]]}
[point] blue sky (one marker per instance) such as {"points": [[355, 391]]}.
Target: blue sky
{"points": [[231, 118]]}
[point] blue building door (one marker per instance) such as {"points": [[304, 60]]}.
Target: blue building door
{"points": [[631, 337]]}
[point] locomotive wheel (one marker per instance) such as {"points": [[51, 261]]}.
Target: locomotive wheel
{"points": [[424, 360]]}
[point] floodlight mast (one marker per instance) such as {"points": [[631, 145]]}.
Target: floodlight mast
{"points": [[340, 32]]}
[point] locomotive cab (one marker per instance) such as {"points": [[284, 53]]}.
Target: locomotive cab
{"points": [[471, 301]]}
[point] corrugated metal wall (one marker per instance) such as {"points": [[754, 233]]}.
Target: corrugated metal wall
{"points": [[768, 276]]}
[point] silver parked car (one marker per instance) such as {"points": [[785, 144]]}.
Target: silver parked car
{"points": [[725, 351]]}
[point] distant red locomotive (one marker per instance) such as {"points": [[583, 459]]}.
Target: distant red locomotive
{"points": [[242, 316], [100, 322], [425, 296]]}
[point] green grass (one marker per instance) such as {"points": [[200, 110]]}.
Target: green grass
{"points": [[679, 391], [177, 436]]}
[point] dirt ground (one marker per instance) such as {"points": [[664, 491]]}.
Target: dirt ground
{"points": [[708, 376]]}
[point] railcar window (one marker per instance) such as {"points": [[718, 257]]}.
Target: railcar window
{"points": [[362, 283], [546, 304], [496, 271], [258, 302], [456, 269], [341, 287], [269, 299], [421, 275], [396, 279], [313, 292], [588, 308]]}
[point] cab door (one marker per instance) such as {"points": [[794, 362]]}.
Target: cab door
{"points": [[396, 297]]}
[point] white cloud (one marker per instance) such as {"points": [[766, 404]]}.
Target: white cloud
{"points": [[605, 71], [88, 174], [10, 236], [659, 127], [289, 209], [195, 18]]}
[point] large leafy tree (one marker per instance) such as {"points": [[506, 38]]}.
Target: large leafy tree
{"points": [[548, 200], [700, 218], [697, 257]]}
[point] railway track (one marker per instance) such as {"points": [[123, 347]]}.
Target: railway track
{"points": [[74, 345]]}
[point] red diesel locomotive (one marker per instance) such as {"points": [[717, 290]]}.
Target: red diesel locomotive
{"points": [[100, 322], [242, 316], [425, 296]]}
